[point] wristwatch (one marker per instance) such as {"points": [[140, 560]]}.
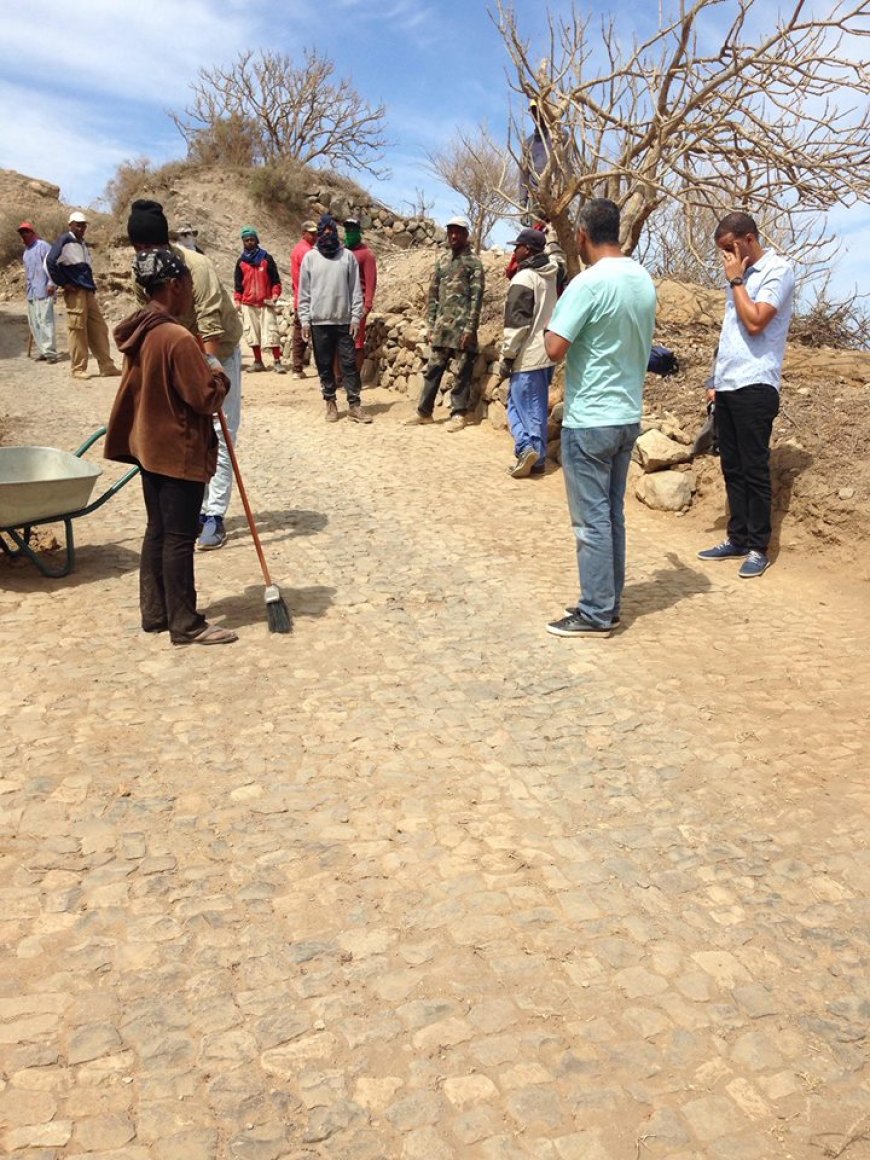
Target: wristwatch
{"points": [[738, 281]]}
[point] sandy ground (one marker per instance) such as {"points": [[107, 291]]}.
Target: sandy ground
{"points": [[420, 880]]}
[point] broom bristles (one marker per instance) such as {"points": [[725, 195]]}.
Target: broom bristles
{"points": [[277, 612]]}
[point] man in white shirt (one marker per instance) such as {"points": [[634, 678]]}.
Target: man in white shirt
{"points": [[746, 384]]}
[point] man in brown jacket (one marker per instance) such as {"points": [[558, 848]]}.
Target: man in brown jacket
{"points": [[162, 421]]}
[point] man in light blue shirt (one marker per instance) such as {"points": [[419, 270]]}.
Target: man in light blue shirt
{"points": [[746, 385], [40, 293], [604, 324]]}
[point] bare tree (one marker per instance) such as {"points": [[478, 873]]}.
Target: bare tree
{"points": [[292, 112], [476, 168], [420, 206], [769, 121]]}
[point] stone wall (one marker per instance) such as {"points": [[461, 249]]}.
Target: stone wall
{"points": [[376, 219]]}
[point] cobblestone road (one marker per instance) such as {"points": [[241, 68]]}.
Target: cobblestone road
{"points": [[421, 881]]}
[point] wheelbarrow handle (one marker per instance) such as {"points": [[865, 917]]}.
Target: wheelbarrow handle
{"points": [[98, 434], [109, 492]]}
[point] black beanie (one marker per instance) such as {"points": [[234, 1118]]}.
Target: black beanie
{"points": [[147, 224]]}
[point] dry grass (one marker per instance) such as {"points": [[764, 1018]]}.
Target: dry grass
{"points": [[49, 221], [139, 178], [843, 324]]}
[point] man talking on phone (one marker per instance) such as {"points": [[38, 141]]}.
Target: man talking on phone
{"points": [[746, 383]]}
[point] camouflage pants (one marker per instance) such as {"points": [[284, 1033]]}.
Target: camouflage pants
{"points": [[463, 368]]}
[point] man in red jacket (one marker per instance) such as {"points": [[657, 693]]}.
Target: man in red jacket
{"points": [[368, 274], [257, 286], [300, 346]]}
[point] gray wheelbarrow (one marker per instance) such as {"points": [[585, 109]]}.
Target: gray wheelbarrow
{"points": [[41, 485]]}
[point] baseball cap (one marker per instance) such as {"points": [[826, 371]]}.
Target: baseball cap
{"points": [[309, 227], [77, 216], [188, 230], [351, 222], [462, 222], [26, 226], [534, 239]]}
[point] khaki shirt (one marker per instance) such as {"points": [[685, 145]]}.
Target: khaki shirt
{"points": [[214, 317]]}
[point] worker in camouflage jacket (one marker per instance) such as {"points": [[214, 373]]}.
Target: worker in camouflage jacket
{"points": [[455, 299]]}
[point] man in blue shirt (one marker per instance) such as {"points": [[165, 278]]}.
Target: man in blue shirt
{"points": [[40, 293], [604, 324], [746, 384]]}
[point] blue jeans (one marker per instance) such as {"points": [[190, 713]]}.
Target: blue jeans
{"points": [[527, 411], [595, 463]]}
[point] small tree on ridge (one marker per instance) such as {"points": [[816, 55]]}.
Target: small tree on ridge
{"points": [[291, 112]]}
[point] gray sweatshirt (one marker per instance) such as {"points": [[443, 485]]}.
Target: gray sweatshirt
{"points": [[330, 293]]}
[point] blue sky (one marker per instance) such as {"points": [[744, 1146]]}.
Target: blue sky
{"points": [[93, 83]]}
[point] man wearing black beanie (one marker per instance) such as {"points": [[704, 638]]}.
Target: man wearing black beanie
{"points": [[215, 320]]}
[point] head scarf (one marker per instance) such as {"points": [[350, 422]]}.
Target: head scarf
{"points": [[152, 268], [352, 233], [258, 254], [327, 236]]}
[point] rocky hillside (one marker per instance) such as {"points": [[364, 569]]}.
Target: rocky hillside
{"points": [[820, 466]]}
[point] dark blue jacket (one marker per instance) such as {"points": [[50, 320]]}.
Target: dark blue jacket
{"points": [[69, 263]]}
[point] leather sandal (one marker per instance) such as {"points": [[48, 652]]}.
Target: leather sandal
{"points": [[211, 634]]}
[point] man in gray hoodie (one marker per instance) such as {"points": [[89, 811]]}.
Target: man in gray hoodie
{"points": [[330, 309]]}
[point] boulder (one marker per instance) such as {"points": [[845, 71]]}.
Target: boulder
{"points": [[680, 303], [655, 451], [666, 491], [489, 389], [497, 416]]}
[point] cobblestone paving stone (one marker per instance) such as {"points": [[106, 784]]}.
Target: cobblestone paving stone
{"points": [[421, 881]]}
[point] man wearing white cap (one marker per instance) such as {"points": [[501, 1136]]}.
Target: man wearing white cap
{"points": [[69, 267], [455, 300]]}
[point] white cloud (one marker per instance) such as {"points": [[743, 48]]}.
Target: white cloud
{"points": [[145, 52], [58, 141]]}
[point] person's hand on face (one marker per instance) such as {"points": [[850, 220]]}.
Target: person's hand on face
{"points": [[735, 259]]}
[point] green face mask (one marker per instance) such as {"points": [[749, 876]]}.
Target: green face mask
{"points": [[352, 237]]}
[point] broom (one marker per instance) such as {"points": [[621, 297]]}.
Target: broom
{"points": [[276, 610]]}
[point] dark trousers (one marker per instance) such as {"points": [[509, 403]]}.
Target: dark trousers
{"points": [[297, 354], [744, 419], [460, 396], [326, 342], [167, 591]]}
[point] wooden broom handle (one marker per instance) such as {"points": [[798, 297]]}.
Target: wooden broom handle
{"points": [[244, 495]]}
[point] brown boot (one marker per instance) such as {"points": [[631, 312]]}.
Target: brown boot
{"points": [[331, 411], [357, 414]]}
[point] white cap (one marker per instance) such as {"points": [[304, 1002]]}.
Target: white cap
{"points": [[462, 222], [76, 216]]}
